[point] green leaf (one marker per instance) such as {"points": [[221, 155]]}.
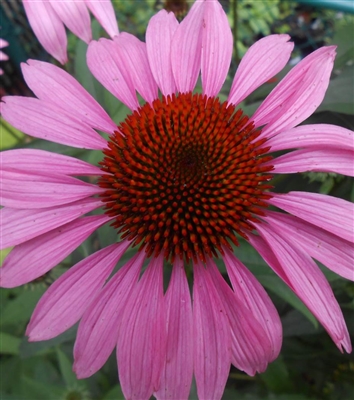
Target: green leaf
{"points": [[274, 284], [114, 394], [276, 377], [9, 344], [32, 389], [65, 366], [9, 135]]}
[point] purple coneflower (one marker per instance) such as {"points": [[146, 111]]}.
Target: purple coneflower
{"points": [[48, 19], [183, 178]]}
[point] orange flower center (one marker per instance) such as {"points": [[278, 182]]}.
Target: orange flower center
{"points": [[184, 175]]}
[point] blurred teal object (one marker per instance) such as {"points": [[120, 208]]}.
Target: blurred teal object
{"points": [[340, 5]]}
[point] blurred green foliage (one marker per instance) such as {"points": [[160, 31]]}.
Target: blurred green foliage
{"points": [[310, 366]]}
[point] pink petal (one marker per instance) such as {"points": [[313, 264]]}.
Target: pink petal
{"points": [[141, 346], [26, 190], [3, 43], [212, 337], [33, 160], [252, 294], [134, 63], [18, 226], [186, 49], [75, 16], [217, 46], [159, 34], [316, 135], [34, 258], [330, 213], [298, 95], [50, 34], [98, 330], [68, 297], [3, 56], [104, 12], [47, 121], [335, 253], [52, 84], [251, 348], [262, 61], [308, 282], [177, 372], [321, 160], [105, 65]]}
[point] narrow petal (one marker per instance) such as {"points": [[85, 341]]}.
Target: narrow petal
{"points": [[321, 160], [335, 253], [308, 283], [75, 16], [134, 63], [262, 61], [52, 84], [25, 190], [159, 34], [98, 330], [104, 64], [212, 337], [50, 34], [43, 120], [330, 213], [251, 292], [297, 95], [177, 372], [33, 160], [104, 12], [316, 135], [217, 45], [18, 226], [34, 258], [64, 303], [251, 347], [141, 346], [186, 49]]}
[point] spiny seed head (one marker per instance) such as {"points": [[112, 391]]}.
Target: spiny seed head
{"points": [[184, 175]]}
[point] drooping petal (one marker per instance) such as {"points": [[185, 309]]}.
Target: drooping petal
{"points": [[98, 330], [212, 337], [262, 61], [186, 49], [335, 253], [330, 213], [298, 95], [104, 64], [75, 16], [217, 45], [252, 293], [159, 34], [251, 348], [18, 226], [104, 12], [177, 372], [308, 282], [33, 160], [134, 63], [141, 346], [32, 259], [25, 190], [52, 84], [48, 28], [64, 303], [316, 135], [47, 121], [319, 160]]}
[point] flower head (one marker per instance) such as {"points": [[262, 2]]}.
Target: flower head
{"points": [[3, 56], [184, 178], [48, 19]]}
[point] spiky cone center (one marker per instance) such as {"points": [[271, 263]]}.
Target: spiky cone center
{"points": [[184, 175]]}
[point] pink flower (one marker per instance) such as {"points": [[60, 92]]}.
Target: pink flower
{"points": [[182, 178], [3, 56], [48, 19]]}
